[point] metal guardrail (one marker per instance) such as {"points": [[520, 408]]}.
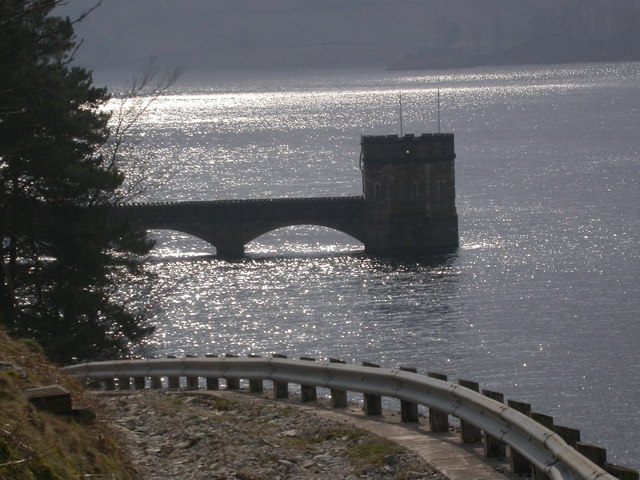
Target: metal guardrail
{"points": [[544, 448]]}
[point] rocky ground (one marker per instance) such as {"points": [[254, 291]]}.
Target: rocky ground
{"points": [[213, 436]]}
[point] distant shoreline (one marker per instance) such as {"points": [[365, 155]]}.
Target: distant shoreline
{"points": [[548, 51]]}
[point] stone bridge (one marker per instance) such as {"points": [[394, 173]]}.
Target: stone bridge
{"points": [[230, 224], [408, 206]]}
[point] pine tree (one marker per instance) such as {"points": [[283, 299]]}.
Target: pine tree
{"points": [[63, 256]]}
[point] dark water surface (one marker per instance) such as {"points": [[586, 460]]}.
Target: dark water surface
{"points": [[541, 301]]}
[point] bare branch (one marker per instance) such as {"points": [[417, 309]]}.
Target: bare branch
{"points": [[84, 14], [144, 89]]}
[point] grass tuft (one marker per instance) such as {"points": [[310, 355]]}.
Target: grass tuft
{"points": [[373, 450]]}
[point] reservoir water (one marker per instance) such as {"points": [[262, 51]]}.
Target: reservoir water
{"points": [[540, 302]]}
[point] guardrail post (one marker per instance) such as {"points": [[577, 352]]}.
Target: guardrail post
{"points": [[372, 403], [623, 473], [569, 435], [597, 455], [438, 421], [308, 393], [545, 421], [94, 384], [492, 446], [192, 382], [139, 383], [232, 383], [124, 383], [280, 389], [256, 385], [338, 397], [409, 410], [174, 382], [156, 383], [109, 384], [519, 464], [469, 433], [212, 382]]}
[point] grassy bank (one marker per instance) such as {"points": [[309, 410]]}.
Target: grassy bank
{"points": [[36, 445]]}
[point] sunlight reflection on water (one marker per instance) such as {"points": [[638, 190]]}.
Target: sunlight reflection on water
{"points": [[541, 292]]}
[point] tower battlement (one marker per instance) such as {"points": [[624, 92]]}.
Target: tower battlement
{"points": [[432, 147]]}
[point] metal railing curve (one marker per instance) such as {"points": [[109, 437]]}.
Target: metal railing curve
{"points": [[542, 447]]}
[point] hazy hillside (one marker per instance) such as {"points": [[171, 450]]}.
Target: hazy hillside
{"points": [[205, 34], [561, 32]]}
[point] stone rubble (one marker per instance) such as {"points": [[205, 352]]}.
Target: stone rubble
{"points": [[193, 436]]}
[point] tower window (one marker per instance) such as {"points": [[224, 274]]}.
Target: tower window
{"points": [[409, 192], [377, 191], [440, 190]]}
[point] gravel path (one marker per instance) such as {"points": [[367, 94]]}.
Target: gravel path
{"points": [[187, 435]]}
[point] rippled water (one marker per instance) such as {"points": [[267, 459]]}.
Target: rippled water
{"points": [[541, 301]]}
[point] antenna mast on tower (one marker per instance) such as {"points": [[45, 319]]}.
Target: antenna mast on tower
{"points": [[438, 109], [400, 105]]}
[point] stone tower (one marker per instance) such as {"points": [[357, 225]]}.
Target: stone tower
{"points": [[409, 190]]}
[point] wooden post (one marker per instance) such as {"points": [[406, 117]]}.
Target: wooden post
{"points": [[156, 383], [338, 397], [94, 384], [192, 382], [438, 421], [232, 383], [409, 410], [372, 403], [174, 382], [545, 421], [469, 433], [212, 382], [623, 473], [597, 455], [569, 435], [139, 383], [492, 446], [256, 385], [109, 384], [519, 464], [280, 389], [542, 419], [308, 393]]}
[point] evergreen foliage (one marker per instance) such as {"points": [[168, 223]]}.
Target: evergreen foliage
{"points": [[63, 258]]}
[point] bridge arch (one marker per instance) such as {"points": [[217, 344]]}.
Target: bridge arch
{"points": [[304, 238], [350, 228], [171, 242]]}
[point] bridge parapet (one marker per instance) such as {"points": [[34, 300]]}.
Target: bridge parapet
{"points": [[250, 201]]}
